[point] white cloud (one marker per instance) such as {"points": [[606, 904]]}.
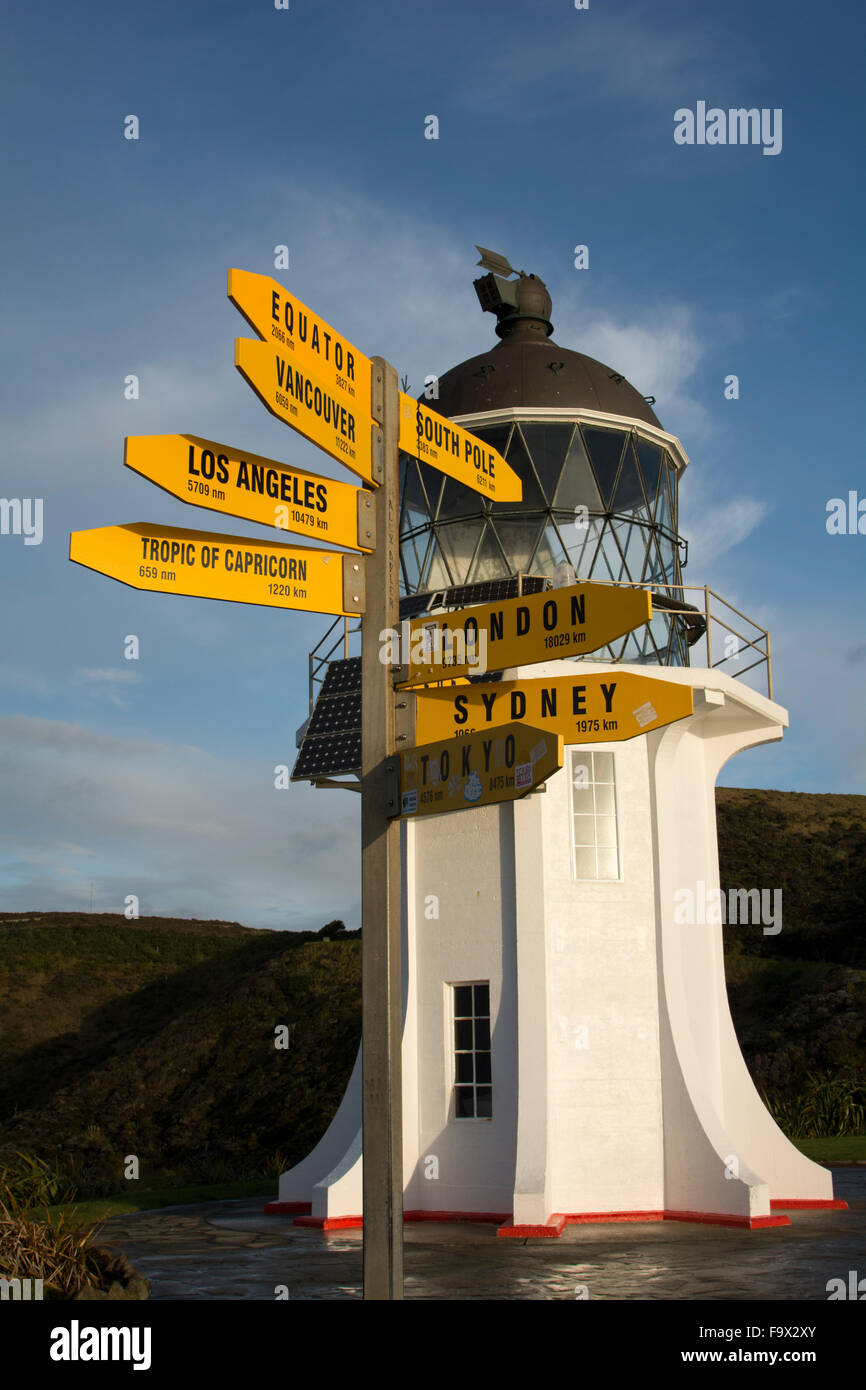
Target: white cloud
{"points": [[658, 353], [717, 527], [189, 832]]}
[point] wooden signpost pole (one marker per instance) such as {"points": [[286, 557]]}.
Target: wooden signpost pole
{"points": [[381, 898]]}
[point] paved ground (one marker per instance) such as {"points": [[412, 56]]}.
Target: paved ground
{"points": [[231, 1250]]}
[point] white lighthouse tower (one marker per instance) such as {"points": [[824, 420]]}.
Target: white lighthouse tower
{"points": [[568, 1049]]}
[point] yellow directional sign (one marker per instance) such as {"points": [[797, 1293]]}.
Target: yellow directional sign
{"points": [[306, 349], [519, 631], [449, 448], [200, 564], [584, 708], [479, 770], [257, 489], [304, 401], [311, 346]]}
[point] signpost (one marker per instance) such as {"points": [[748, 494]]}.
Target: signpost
{"points": [[303, 399], [258, 489], [306, 349], [200, 564], [306, 341], [381, 971], [478, 770], [519, 631], [479, 743], [585, 708], [433, 438]]}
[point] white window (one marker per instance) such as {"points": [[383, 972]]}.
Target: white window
{"points": [[473, 1090], [594, 837]]}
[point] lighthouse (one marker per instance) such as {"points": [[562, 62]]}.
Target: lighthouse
{"points": [[568, 1053]]}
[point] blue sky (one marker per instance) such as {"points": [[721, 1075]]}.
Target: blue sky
{"points": [[306, 127]]}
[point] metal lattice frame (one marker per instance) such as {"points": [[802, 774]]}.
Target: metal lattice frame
{"points": [[623, 475]]}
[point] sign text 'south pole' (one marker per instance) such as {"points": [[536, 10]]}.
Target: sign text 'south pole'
{"points": [[381, 910]]}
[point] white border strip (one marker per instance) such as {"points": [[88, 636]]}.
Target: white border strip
{"points": [[600, 417]]}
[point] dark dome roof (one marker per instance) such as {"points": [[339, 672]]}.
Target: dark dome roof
{"points": [[527, 368], [526, 372]]}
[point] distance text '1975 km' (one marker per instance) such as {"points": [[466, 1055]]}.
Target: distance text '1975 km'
{"points": [[583, 707]]}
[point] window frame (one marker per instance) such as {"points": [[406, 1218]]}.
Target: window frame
{"points": [[581, 750], [454, 1052]]}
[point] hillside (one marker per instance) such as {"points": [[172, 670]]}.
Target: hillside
{"points": [[156, 1037], [798, 998]]}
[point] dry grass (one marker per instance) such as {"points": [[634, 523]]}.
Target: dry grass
{"points": [[65, 1259]]}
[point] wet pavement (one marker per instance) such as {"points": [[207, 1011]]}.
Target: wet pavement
{"points": [[231, 1250]]}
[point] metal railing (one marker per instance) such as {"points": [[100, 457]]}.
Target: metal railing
{"points": [[756, 640], [338, 635], [699, 619]]}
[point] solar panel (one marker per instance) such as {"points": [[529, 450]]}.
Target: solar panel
{"points": [[462, 595], [330, 745], [333, 755], [335, 714], [342, 676]]}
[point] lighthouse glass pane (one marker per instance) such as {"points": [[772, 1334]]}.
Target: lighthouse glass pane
{"points": [[577, 484], [605, 451], [518, 539], [650, 456], [489, 563], [595, 839], [548, 445], [497, 436], [629, 493]]}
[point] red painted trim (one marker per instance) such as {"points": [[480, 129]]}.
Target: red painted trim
{"points": [[577, 1218], [823, 1204], [551, 1230], [556, 1223], [710, 1218], [492, 1218], [332, 1223]]}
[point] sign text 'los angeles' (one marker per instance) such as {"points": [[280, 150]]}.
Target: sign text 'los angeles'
{"points": [[226, 480]]}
